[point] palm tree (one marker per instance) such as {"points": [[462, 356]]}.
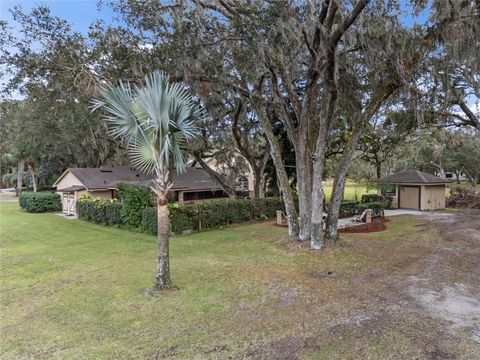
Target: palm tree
{"points": [[154, 121]]}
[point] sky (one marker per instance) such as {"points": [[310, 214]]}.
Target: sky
{"points": [[80, 13]]}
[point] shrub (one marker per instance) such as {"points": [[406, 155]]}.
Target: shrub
{"points": [[212, 214], [149, 220], [347, 208], [266, 207], [104, 212], [376, 206], [388, 202], [217, 213], [181, 218], [369, 198], [134, 200], [40, 202]]}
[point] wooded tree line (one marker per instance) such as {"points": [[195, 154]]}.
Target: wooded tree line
{"points": [[296, 91]]}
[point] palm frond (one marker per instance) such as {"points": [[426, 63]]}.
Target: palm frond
{"points": [[118, 101], [143, 155], [154, 120]]}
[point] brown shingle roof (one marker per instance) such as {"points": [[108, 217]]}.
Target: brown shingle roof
{"points": [[109, 178], [412, 177], [193, 179]]}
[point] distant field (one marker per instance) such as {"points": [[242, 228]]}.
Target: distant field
{"points": [[353, 191]]}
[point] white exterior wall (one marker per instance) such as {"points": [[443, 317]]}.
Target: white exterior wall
{"points": [[433, 197], [69, 180]]}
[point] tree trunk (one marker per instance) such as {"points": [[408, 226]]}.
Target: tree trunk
{"points": [[284, 184], [340, 177], [316, 235], [457, 175], [378, 166], [228, 188], [20, 169], [162, 275], [282, 176], [31, 167], [440, 169], [262, 187], [336, 201], [257, 183], [304, 184], [260, 177]]}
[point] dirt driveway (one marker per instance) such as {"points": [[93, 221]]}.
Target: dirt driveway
{"points": [[448, 285], [416, 295]]}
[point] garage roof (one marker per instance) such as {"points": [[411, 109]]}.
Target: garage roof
{"points": [[412, 177]]}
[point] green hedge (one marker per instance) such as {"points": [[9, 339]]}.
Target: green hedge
{"points": [[104, 212], [375, 198], [376, 206], [134, 199], [266, 208], [213, 214], [369, 198], [347, 209], [40, 202], [388, 202]]}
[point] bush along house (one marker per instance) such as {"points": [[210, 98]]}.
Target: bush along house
{"points": [[102, 183]]}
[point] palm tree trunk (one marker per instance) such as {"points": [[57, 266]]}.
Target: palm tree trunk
{"points": [[31, 167], [162, 276], [20, 168]]}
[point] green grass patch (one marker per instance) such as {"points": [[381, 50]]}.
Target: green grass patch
{"points": [[70, 289]]}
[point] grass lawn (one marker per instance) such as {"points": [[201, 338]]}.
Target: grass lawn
{"points": [[353, 191], [75, 290]]}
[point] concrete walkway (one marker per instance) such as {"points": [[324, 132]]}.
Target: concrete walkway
{"points": [[348, 222], [68, 217], [396, 212]]}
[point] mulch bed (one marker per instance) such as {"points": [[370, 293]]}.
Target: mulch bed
{"points": [[377, 224]]}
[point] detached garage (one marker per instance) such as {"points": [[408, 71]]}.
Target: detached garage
{"points": [[413, 189]]}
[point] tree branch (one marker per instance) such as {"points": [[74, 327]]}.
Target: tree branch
{"points": [[348, 21]]}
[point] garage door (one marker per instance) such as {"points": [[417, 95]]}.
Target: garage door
{"points": [[409, 197]]}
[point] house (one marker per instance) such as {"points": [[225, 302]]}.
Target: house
{"points": [[457, 175], [102, 183], [244, 182], [413, 189]]}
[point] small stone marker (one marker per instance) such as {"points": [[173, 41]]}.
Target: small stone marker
{"points": [[279, 217], [368, 216]]}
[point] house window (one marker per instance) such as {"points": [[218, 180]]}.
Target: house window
{"points": [[391, 190], [243, 183]]}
